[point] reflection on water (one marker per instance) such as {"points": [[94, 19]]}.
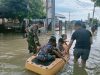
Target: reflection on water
{"points": [[79, 70], [13, 54]]}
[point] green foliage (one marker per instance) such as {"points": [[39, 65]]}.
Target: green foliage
{"points": [[97, 2], [95, 21], [14, 9], [21, 9], [36, 9]]}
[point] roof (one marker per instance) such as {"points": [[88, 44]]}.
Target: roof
{"points": [[60, 15]]}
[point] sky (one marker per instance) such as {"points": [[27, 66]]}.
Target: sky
{"points": [[78, 9]]}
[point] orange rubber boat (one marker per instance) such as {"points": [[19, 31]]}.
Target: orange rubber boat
{"points": [[46, 68]]}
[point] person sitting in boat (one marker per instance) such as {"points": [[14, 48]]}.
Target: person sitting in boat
{"points": [[49, 51], [64, 37], [62, 46]]}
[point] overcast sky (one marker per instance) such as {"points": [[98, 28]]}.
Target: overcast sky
{"points": [[78, 9]]}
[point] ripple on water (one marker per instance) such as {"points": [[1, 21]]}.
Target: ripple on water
{"points": [[6, 57], [95, 58], [67, 70], [7, 65], [91, 65], [9, 68], [10, 73], [97, 71]]}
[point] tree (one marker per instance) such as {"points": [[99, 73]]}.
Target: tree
{"points": [[14, 9], [21, 9], [97, 2], [36, 9], [95, 21]]}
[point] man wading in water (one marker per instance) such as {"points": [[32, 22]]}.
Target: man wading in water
{"points": [[82, 47]]}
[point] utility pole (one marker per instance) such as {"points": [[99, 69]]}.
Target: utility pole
{"points": [[93, 12], [88, 18], [50, 9], [69, 19], [53, 17], [46, 15], [69, 16]]}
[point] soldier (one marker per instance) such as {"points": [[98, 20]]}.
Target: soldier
{"points": [[33, 40]]}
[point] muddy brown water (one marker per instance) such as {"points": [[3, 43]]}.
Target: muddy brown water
{"points": [[13, 54]]}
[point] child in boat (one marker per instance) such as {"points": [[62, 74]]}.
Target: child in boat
{"points": [[49, 51], [64, 37], [62, 46]]}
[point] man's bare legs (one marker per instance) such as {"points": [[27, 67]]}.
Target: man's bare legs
{"points": [[83, 62], [75, 60]]}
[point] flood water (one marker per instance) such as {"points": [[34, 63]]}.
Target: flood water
{"points": [[13, 54]]}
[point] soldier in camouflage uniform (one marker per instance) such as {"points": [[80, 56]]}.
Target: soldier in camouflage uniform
{"points": [[33, 40]]}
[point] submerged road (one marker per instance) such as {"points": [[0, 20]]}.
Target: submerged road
{"points": [[13, 54]]}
